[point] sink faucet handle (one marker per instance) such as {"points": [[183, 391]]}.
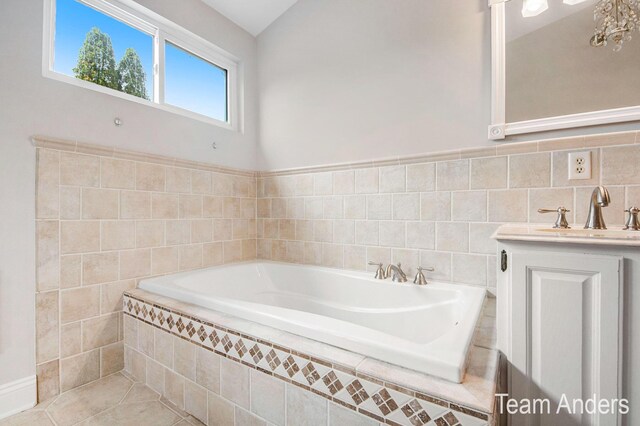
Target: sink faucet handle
{"points": [[561, 221], [633, 223], [380, 273], [420, 278]]}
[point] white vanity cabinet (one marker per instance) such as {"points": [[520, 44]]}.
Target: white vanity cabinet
{"points": [[564, 326]]}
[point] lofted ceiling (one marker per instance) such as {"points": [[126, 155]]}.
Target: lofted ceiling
{"points": [[252, 15]]}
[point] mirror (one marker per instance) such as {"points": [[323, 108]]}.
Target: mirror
{"points": [[556, 67]]}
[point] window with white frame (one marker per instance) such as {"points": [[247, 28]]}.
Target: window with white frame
{"points": [[119, 47]]}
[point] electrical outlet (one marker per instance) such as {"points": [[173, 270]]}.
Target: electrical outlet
{"points": [[579, 165]]}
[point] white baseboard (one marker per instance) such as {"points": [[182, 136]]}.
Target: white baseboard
{"points": [[18, 396]]}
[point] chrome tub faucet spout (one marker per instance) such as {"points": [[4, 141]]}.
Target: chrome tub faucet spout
{"points": [[599, 199]]}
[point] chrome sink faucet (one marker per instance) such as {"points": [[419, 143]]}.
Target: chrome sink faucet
{"points": [[599, 198], [396, 273]]}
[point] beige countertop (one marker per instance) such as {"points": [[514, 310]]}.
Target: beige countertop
{"points": [[614, 236]]}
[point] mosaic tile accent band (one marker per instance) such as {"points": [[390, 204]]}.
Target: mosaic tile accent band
{"points": [[384, 402]]}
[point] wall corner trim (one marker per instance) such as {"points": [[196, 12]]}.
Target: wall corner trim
{"points": [[17, 396]]}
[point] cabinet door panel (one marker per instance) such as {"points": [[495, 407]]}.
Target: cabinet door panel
{"points": [[564, 341]]}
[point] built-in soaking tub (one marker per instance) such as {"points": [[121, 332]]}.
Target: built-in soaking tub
{"points": [[424, 328]]}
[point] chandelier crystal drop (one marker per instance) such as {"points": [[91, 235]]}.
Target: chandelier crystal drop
{"points": [[615, 21]]}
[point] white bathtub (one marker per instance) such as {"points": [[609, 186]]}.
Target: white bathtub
{"points": [[424, 328]]}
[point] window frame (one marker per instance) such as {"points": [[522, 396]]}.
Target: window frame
{"points": [[161, 30]]}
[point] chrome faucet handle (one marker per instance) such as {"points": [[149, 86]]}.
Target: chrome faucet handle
{"points": [[561, 221], [633, 223], [420, 278], [380, 274]]}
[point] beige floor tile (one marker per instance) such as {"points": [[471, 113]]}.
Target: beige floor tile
{"points": [[151, 413], [140, 393], [28, 418], [89, 400]]}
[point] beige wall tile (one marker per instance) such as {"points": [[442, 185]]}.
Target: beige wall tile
{"points": [[452, 236], [367, 232], [613, 214], [208, 369], [621, 138], [48, 380], [223, 229], [393, 233], [469, 269], [249, 249], [234, 382], [184, 358], [146, 342], [409, 259], [178, 180], [70, 339], [305, 405], [244, 417], [135, 263], [452, 175], [421, 177], [303, 185], [367, 181], [264, 207], [111, 359], [222, 184], [164, 348], [406, 206], [174, 388], [312, 253], [378, 207], [178, 232], [135, 205], [549, 199], [164, 206], [561, 170], [633, 196], [232, 251], [155, 376], [200, 182], [70, 271], [118, 234], [286, 229], [435, 206], [295, 208], [212, 207], [355, 257], [378, 255], [164, 260], [99, 203], [111, 295], [195, 401], [489, 173], [323, 231], [530, 170], [100, 268], [130, 332], [190, 257], [101, 331], [421, 235], [150, 177], [47, 180], [47, 326], [469, 206], [621, 165], [149, 233], [333, 255], [441, 262], [79, 370], [118, 174], [393, 179], [220, 411], [190, 206], [355, 207], [480, 240], [48, 255], [344, 182], [333, 207], [313, 208], [241, 229], [322, 183], [135, 364], [79, 170], [278, 208], [69, 202], [508, 205], [212, 254], [344, 231], [79, 303]]}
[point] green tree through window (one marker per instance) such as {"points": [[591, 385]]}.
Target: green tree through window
{"points": [[97, 64]]}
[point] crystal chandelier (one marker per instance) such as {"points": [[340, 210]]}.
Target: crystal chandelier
{"points": [[615, 20]]}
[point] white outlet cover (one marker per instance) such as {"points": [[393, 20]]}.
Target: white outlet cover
{"points": [[579, 165]]}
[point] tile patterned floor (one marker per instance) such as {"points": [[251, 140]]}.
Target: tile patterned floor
{"points": [[113, 400]]}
